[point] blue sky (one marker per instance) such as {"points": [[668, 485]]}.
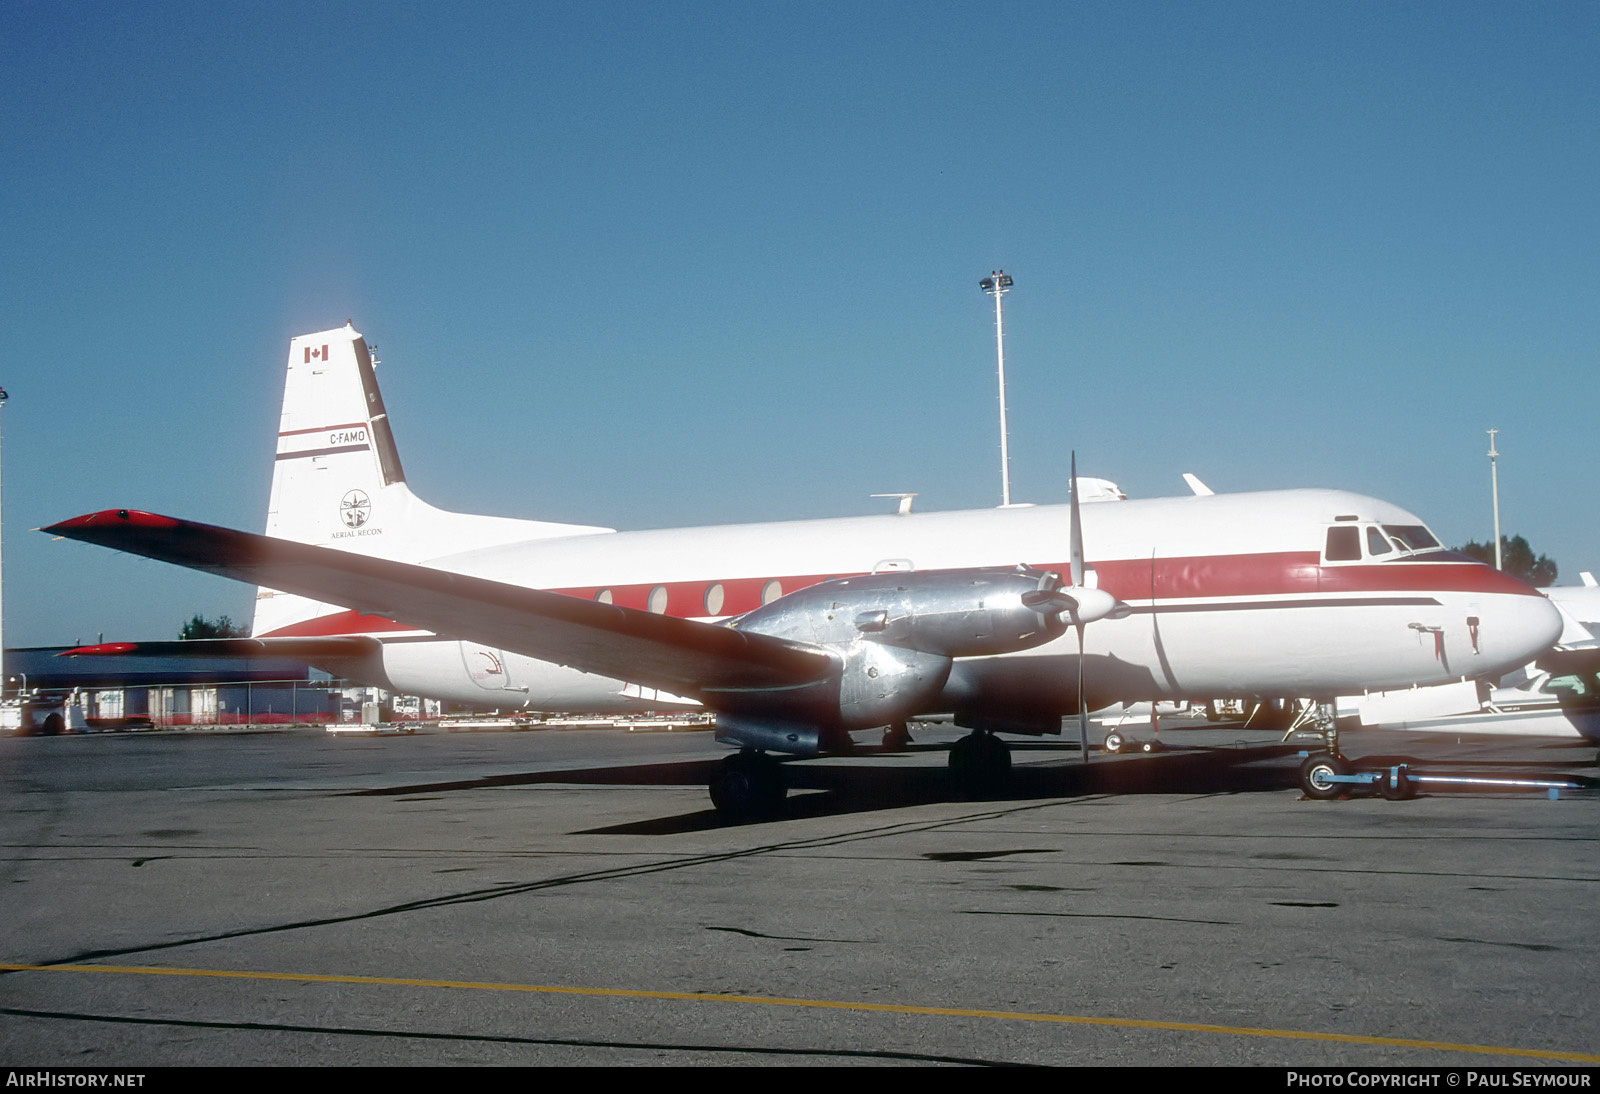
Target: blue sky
{"points": [[657, 264]]}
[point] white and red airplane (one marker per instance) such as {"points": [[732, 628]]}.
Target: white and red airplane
{"points": [[795, 634]]}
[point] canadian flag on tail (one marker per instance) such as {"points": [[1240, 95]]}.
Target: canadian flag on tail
{"points": [[313, 354]]}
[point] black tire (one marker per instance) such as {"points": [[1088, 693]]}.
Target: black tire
{"points": [[1396, 786], [54, 725], [1115, 742], [1314, 774], [1149, 746], [980, 766], [748, 787]]}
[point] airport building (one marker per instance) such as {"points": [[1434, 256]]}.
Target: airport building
{"points": [[48, 693]]}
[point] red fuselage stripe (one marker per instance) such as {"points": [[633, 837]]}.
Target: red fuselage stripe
{"points": [[1159, 580]]}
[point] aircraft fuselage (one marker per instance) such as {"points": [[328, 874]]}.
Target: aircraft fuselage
{"points": [[1230, 595]]}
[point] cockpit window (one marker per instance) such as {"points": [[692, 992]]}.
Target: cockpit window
{"points": [[1376, 544], [1344, 544], [1412, 537]]}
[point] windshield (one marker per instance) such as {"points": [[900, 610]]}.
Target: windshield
{"points": [[1411, 537]]}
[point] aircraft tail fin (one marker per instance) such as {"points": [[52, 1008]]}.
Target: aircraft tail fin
{"points": [[337, 480]]}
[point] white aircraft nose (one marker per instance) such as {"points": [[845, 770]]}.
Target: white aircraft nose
{"points": [[1517, 629]]}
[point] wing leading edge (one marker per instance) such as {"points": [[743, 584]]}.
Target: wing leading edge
{"points": [[701, 660]]}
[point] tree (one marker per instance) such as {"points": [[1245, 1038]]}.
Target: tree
{"points": [[1518, 560], [201, 627]]}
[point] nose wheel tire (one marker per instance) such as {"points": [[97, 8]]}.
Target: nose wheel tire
{"points": [[1115, 742], [1315, 778]]}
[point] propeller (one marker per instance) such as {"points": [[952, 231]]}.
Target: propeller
{"points": [[1078, 619], [1091, 604], [1078, 604]]}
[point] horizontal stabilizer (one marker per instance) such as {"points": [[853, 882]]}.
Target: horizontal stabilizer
{"points": [[679, 655]]}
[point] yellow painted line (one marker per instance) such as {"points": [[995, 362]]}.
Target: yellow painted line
{"points": [[824, 1004]]}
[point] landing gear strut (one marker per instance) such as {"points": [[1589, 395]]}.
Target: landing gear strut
{"points": [[896, 737], [980, 765], [749, 786], [1319, 772]]}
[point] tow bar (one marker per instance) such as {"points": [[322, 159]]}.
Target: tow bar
{"points": [[1324, 776]]}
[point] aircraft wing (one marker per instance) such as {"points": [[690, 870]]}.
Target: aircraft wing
{"points": [[678, 655]]}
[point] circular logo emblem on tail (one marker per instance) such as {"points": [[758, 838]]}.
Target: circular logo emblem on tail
{"points": [[355, 507]]}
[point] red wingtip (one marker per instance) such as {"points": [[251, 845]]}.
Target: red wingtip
{"points": [[135, 517], [101, 650]]}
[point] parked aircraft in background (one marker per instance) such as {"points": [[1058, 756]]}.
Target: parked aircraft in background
{"points": [[796, 634], [1580, 610]]}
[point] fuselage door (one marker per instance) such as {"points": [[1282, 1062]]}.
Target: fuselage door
{"points": [[486, 666]]}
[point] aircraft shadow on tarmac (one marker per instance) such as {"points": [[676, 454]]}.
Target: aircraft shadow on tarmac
{"points": [[871, 780]]}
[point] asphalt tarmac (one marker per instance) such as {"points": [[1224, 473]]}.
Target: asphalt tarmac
{"points": [[569, 898]]}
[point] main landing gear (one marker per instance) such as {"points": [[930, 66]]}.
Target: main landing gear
{"points": [[980, 765], [896, 737], [749, 786]]}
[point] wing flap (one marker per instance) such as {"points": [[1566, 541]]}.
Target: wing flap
{"points": [[679, 655]]}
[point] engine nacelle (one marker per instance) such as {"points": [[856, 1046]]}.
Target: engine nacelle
{"points": [[769, 734], [897, 634], [954, 613]]}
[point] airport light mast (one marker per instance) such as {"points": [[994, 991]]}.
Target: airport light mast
{"points": [[3, 398], [1494, 490], [996, 285]]}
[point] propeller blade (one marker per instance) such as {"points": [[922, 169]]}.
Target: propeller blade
{"points": [[1077, 527], [1083, 703]]}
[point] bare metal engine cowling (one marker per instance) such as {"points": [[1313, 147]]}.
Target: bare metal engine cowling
{"points": [[895, 636]]}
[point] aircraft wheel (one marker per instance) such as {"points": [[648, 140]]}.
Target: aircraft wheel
{"points": [[748, 786], [1396, 787], [1149, 746], [896, 737], [1115, 742], [1314, 777], [980, 765]]}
